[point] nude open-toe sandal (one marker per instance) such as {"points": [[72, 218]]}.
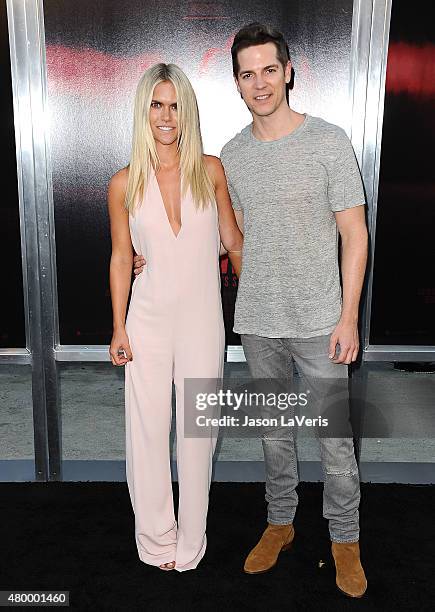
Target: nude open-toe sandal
{"points": [[167, 569]]}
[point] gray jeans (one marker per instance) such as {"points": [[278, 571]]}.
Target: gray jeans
{"points": [[274, 358]]}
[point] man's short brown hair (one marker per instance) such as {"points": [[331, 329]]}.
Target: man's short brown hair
{"points": [[259, 34]]}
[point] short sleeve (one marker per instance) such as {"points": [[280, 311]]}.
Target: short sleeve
{"points": [[345, 187], [235, 200]]}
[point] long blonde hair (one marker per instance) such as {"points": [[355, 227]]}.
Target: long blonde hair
{"points": [[144, 155]]}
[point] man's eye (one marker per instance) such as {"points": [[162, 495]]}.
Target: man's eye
{"points": [[245, 76], [271, 70]]}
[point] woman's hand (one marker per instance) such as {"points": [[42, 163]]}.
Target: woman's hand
{"points": [[119, 344]]}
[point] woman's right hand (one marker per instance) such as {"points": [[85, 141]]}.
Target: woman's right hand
{"points": [[119, 344]]}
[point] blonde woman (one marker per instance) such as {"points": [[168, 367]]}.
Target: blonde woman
{"points": [[172, 205]]}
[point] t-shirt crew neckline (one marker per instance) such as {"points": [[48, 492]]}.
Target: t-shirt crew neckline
{"points": [[283, 139]]}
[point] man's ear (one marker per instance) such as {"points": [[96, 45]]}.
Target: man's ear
{"points": [[288, 72]]}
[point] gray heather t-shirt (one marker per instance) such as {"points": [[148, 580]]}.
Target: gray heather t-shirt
{"points": [[288, 190]]}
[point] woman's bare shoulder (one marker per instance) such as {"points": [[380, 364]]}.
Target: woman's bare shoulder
{"points": [[212, 161], [118, 181], [214, 167]]}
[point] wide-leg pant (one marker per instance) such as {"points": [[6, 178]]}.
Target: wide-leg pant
{"points": [[160, 538]]}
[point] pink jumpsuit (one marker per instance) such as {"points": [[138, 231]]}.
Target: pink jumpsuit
{"points": [[175, 328]]}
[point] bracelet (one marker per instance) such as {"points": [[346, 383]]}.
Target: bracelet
{"points": [[234, 251]]}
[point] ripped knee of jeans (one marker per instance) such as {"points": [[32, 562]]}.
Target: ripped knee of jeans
{"points": [[276, 436], [331, 471]]}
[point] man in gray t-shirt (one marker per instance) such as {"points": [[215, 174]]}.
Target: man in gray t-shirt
{"points": [[288, 190], [295, 185]]}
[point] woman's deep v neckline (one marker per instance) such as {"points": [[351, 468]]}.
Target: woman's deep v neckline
{"points": [[175, 235]]}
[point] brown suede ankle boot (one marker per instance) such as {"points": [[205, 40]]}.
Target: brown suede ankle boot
{"points": [[350, 578], [265, 555]]}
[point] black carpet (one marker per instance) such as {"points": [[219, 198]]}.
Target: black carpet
{"points": [[79, 537]]}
